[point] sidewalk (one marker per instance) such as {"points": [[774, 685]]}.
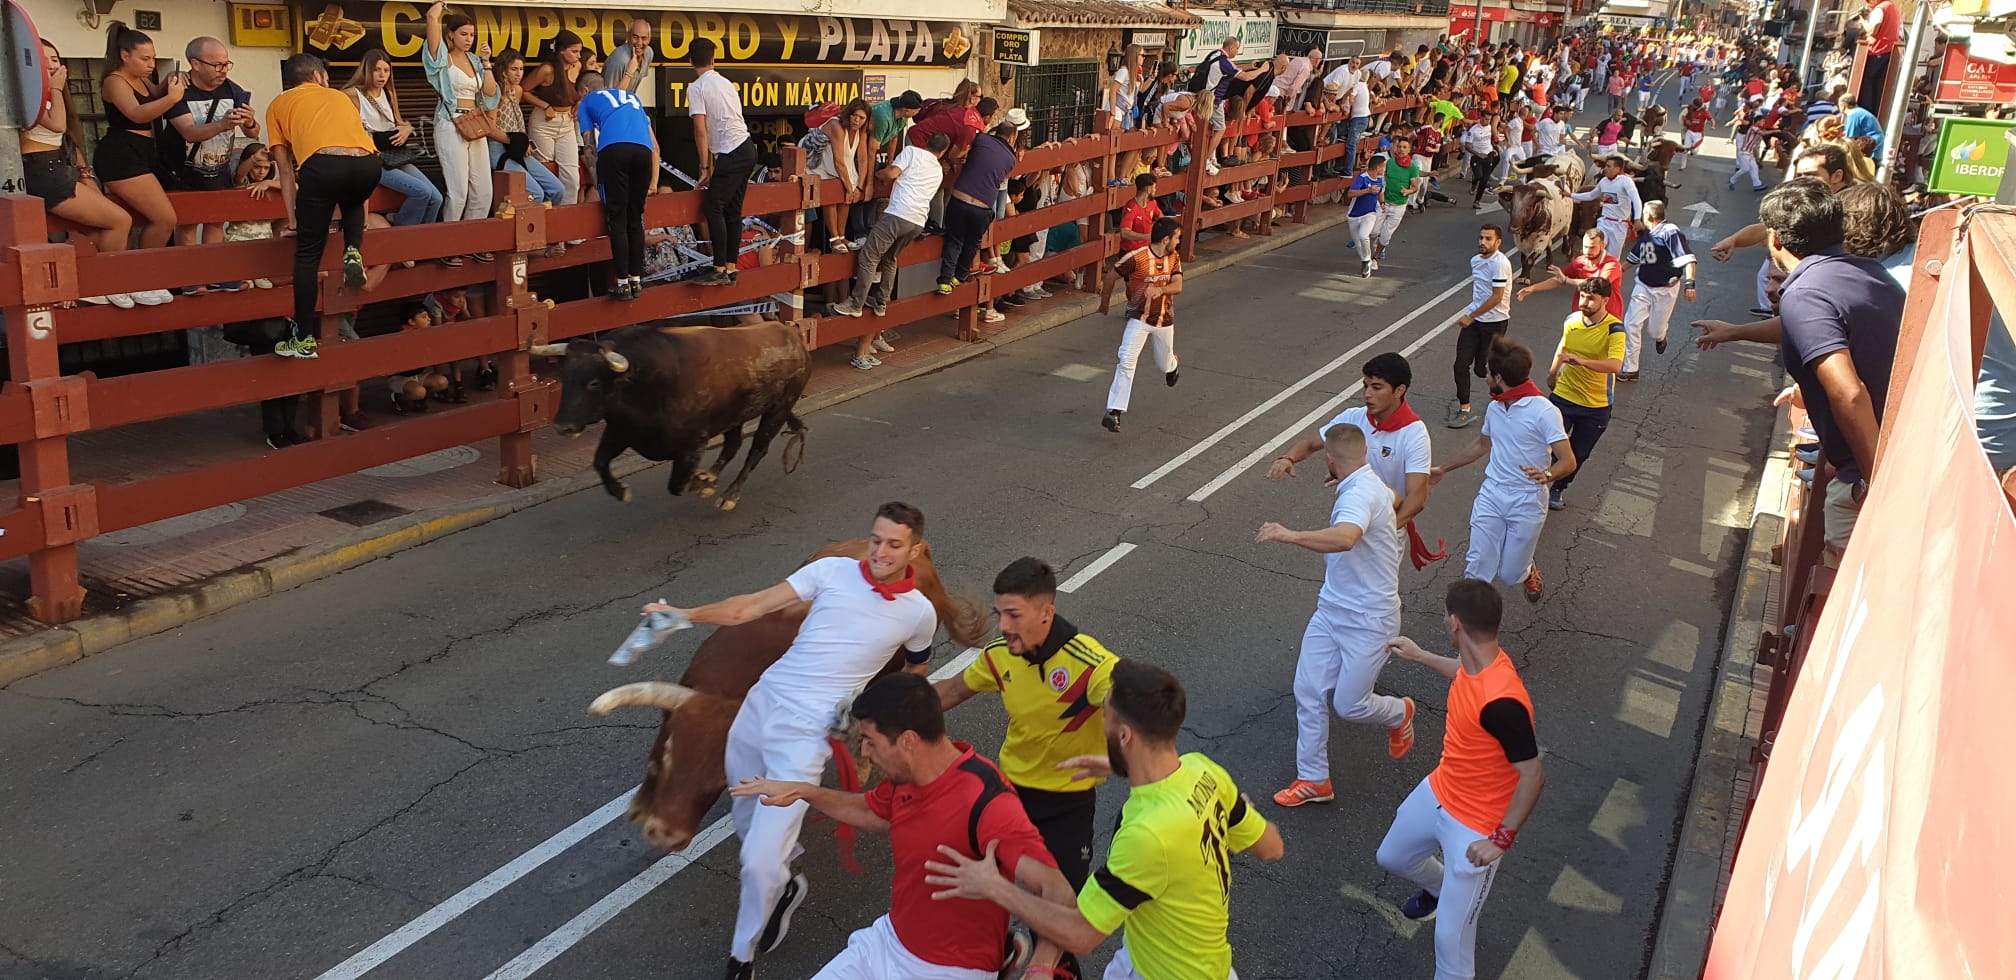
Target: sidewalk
{"points": [[159, 576]]}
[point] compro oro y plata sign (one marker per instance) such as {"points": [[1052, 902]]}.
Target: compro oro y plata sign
{"points": [[1972, 155], [1014, 47]]}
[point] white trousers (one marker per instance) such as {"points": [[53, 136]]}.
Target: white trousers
{"points": [[1390, 216], [1122, 967], [1513, 153], [1340, 660], [1689, 140], [1650, 309], [875, 953], [1362, 231], [1503, 536], [1421, 828], [1644, 99], [1747, 164], [465, 170], [1137, 335], [774, 739], [559, 141], [1613, 236]]}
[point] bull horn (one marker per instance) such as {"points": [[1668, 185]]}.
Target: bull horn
{"points": [[547, 350], [643, 694], [617, 362]]}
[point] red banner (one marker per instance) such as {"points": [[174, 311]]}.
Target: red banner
{"points": [[1964, 79], [1880, 844]]}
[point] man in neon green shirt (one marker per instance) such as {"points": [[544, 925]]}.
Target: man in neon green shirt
{"points": [[1403, 181], [1172, 895]]}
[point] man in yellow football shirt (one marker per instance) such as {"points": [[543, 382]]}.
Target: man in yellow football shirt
{"points": [[1172, 894], [1584, 373]]}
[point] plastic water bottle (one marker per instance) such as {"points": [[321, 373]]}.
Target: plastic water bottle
{"points": [[651, 631]]}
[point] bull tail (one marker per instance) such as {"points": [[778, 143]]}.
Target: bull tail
{"points": [[796, 441]]}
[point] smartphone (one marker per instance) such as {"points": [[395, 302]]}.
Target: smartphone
{"points": [[174, 69]]}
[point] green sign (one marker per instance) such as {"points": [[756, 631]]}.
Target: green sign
{"points": [[1971, 157]]}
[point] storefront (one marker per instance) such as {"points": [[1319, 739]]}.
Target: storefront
{"points": [[1528, 27], [1055, 57], [1255, 30]]}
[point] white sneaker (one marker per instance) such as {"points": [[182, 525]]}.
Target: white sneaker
{"points": [[1000, 265], [1211, 167], [1375, 265], [268, 283], [881, 346], [153, 297], [993, 316]]}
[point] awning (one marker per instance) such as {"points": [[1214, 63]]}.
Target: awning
{"points": [[1097, 13]]}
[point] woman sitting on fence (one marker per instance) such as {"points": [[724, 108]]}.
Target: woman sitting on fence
{"points": [[456, 68], [52, 162], [845, 153], [378, 105], [126, 157], [516, 151]]}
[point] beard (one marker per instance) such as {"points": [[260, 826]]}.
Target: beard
{"points": [[1114, 758]]}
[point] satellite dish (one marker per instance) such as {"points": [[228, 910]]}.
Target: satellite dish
{"points": [[24, 50]]}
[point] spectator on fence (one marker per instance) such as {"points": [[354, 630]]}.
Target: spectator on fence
{"points": [[553, 92], [970, 211], [328, 164], [1025, 194], [515, 151], [378, 105], [1243, 93], [456, 68], [1291, 79], [890, 118], [840, 149], [629, 65], [727, 158], [625, 160], [212, 110], [916, 173], [959, 119], [255, 175], [126, 156], [52, 163]]}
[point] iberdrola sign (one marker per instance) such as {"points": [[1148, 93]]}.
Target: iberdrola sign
{"points": [[1972, 156]]}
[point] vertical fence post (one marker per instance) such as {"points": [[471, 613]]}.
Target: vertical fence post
{"points": [[1193, 181], [66, 513], [511, 295], [796, 251]]}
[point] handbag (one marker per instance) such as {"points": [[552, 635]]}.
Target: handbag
{"points": [[393, 157], [476, 124]]}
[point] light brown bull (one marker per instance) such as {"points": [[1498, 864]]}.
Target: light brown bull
{"points": [[1540, 210], [685, 773]]}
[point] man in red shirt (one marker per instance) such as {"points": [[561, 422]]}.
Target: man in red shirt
{"points": [[1879, 25], [1594, 262], [1694, 126], [1137, 216], [934, 793]]}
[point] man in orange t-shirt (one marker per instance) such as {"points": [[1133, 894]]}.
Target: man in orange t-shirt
{"points": [[1471, 807], [1154, 276]]}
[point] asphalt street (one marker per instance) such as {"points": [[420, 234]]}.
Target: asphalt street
{"points": [[271, 791]]}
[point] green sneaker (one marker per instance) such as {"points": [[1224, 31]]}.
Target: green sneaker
{"points": [[353, 269], [946, 288], [296, 345]]}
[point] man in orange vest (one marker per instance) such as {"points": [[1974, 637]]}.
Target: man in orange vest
{"points": [[1471, 807]]}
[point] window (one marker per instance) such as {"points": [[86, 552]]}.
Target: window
{"points": [[84, 101], [1062, 97]]}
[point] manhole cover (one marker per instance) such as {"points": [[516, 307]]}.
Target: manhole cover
{"points": [[173, 527], [365, 512], [434, 462]]}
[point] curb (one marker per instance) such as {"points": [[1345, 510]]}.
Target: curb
{"points": [[1707, 837], [59, 645]]}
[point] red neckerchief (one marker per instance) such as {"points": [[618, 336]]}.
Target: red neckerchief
{"points": [[1398, 419], [890, 590], [1525, 389]]}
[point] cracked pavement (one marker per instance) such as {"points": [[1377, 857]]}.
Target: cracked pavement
{"points": [[263, 793]]}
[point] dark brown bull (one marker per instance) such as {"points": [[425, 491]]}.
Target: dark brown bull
{"points": [[686, 772], [1652, 125]]}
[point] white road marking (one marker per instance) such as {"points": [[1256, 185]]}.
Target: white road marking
{"points": [[1306, 423], [468, 898], [1348, 357], [1701, 209], [627, 894]]}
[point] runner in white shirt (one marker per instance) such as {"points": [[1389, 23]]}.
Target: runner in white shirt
{"points": [[1621, 205], [1480, 145], [862, 613], [1515, 149], [1396, 443], [1550, 132], [1526, 449], [1357, 613], [1488, 316]]}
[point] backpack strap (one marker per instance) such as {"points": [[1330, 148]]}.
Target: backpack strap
{"points": [[991, 786]]}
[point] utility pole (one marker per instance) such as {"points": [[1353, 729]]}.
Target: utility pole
{"points": [[1806, 51], [16, 87], [1900, 90]]}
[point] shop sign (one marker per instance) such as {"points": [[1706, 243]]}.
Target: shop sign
{"points": [[261, 25], [1255, 34], [1965, 79], [1972, 155], [1297, 41], [875, 88], [1149, 39], [342, 32], [1013, 47], [780, 91]]}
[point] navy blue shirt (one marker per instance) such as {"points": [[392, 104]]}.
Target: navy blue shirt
{"points": [[988, 164], [1832, 302], [614, 117]]}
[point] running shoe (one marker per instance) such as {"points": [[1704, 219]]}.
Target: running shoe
{"points": [[297, 346], [1659, 345], [1627, 376], [1303, 791], [738, 970], [353, 269], [1462, 417], [1554, 501], [1111, 421], [946, 288], [1533, 586], [1365, 271], [780, 918], [1171, 378], [1400, 741], [993, 316], [1421, 906], [879, 309], [862, 364], [716, 277], [1375, 265], [880, 346], [150, 297], [844, 309]]}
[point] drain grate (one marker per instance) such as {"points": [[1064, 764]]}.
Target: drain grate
{"points": [[365, 512]]}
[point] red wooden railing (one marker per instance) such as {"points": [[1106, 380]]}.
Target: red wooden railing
{"points": [[41, 408]]}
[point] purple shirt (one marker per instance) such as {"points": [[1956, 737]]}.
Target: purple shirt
{"points": [[1835, 301], [988, 164]]}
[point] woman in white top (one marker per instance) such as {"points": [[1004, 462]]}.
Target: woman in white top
{"points": [[455, 67], [378, 104], [849, 158], [1125, 92]]}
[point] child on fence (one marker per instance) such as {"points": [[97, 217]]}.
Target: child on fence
{"points": [[255, 176]]}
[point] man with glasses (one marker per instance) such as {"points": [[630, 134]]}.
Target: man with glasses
{"points": [[630, 64], [213, 109]]}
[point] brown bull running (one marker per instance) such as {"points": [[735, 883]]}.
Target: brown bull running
{"points": [[686, 771]]}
